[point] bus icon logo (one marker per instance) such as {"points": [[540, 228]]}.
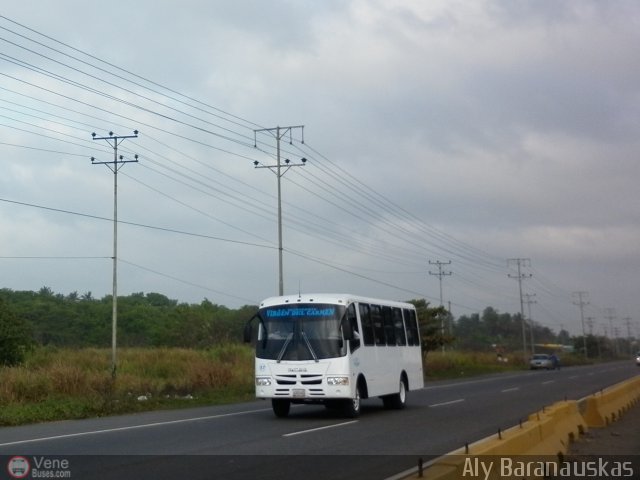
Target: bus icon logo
{"points": [[18, 467]]}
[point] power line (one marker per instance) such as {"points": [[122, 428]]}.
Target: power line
{"points": [[406, 237], [116, 67], [135, 224], [186, 282]]}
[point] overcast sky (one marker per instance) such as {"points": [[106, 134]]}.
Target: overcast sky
{"points": [[439, 131]]}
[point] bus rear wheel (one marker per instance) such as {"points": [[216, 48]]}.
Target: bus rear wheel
{"points": [[280, 407]]}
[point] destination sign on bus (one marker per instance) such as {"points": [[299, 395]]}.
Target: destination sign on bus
{"points": [[301, 312]]}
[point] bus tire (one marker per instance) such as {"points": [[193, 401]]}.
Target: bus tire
{"points": [[280, 407], [352, 406], [397, 401]]}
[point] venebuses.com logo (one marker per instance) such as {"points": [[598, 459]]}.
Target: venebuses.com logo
{"points": [[18, 467]]}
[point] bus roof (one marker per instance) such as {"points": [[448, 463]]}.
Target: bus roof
{"points": [[337, 298]]}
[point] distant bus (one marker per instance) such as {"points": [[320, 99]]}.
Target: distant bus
{"points": [[335, 349]]}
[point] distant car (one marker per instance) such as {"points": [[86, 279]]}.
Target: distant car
{"points": [[638, 359], [541, 360]]}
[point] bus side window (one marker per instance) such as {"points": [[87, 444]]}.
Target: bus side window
{"points": [[367, 327], [398, 325], [412, 327], [352, 323], [378, 324], [389, 329]]}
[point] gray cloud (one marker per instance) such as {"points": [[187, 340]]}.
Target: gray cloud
{"points": [[496, 129]]}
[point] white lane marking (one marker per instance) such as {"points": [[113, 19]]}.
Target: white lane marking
{"points": [[510, 389], [548, 381], [447, 403], [301, 432], [470, 382], [131, 427]]}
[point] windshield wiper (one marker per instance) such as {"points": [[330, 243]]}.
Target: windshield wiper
{"points": [[306, 340], [284, 347]]}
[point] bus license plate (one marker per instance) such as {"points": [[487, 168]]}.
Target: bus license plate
{"points": [[298, 392]]}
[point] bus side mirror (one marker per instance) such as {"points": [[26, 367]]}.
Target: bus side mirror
{"points": [[348, 328], [347, 332], [247, 332], [246, 337]]}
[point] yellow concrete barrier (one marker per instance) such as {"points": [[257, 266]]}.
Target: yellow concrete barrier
{"points": [[545, 434], [608, 405]]}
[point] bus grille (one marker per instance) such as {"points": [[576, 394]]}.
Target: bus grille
{"points": [[303, 379]]}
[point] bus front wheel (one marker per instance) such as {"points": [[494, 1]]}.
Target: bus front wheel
{"points": [[352, 406], [397, 401], [280, 407]]}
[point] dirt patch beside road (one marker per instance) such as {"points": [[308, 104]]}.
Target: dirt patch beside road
{"points": [[609, 452], [619, 438]]}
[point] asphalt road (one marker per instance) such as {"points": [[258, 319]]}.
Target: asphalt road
{"points": [[248, 441]]}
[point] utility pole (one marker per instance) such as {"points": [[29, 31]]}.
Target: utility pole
{"points": [[610, 314], [581, 303], [589, 323], [440, 273], [627, 322], [529, 301], [279, 133], [521, 263], [117, 163]]}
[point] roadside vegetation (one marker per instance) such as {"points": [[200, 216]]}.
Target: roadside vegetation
{"points": [[54, 364], [457, 364], [62, 383]]}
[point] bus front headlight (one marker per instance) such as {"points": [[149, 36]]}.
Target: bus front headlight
{"points": [[335, 381], [263, 381]]}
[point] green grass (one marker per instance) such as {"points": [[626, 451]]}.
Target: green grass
{"points": [[61, 384], [453, 364], [58, 384]]}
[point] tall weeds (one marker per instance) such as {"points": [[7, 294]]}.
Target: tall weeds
{"points": [[67, 383]]}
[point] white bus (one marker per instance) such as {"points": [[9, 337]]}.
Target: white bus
{"points": [[335, 349]]}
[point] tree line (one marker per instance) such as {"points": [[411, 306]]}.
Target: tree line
{"points": [[44, 318], [29, 318]]}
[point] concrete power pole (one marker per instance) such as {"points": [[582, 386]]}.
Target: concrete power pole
{"points": [[117, 163], [627, 322], [529, 302], [440, 273], [610, 314], [590, 321], [279, 133], [521, 263], [581, 303]]}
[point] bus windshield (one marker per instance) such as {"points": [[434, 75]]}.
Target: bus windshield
{"points": [[301, 332]]}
